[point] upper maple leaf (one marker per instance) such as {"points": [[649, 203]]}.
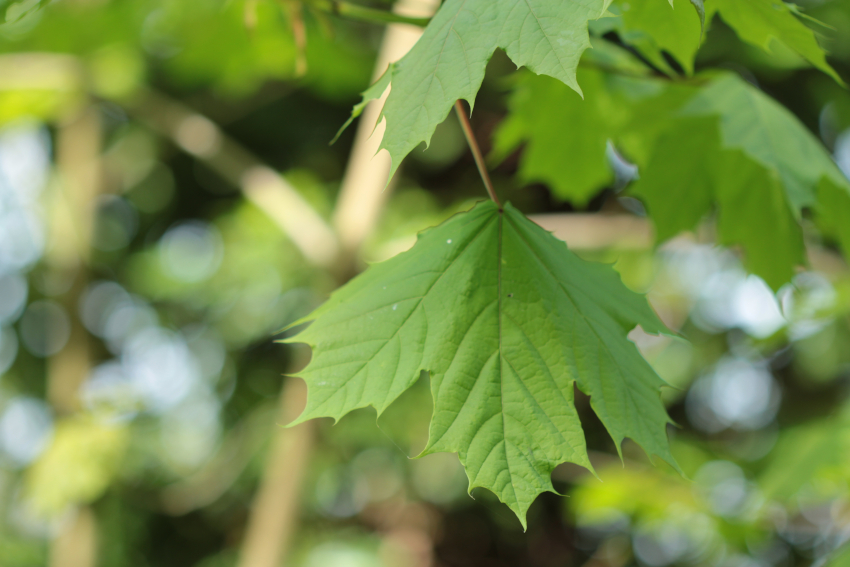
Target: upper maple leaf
{"points": [[448, 61]]}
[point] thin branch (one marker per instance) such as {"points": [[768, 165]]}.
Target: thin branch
{"points": [[650, 74], [364, 14], [476, 151], [263, 186], [79, 149]]}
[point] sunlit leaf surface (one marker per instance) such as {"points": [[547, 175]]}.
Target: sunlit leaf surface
{"points": [[507, 321]]}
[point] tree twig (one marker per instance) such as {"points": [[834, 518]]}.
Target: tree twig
{"points": [[266, 188], [364, 14], [274, 512], [476, 151]]}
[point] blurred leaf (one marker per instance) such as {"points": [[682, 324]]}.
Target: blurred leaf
{"points": [[476, 302], [833, 214], [654, 504], [14, 11], [761, 22], [806, 454], [653, 27], [699, 6], [641, 493], [556, 124], [770, 134], [689, 172], [78, 466], [31, 103], [719, 141], [579, 178], [195, 43]]}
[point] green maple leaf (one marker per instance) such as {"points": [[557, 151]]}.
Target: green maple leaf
{"points": [[507, 321], [754, 211], [806, 453], [448, 61], [719, 143], [798, 173], [619, 108], [767, 132], [833, 212], [652, 27], [761, 22], [579, 178]]}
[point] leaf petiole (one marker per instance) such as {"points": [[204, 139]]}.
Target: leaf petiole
{"points": [[476, 151]]}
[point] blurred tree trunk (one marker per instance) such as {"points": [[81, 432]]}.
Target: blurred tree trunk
{"points": [[362, 194], [76, 545], [276, 504], [72, 210], [275, 508]]}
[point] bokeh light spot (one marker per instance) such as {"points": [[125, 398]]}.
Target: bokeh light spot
{"points": [[191, 252], [45, 328]]}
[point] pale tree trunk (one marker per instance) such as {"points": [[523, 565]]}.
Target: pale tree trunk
{"points": [[275, 509], [362, 193], [78, 151]]}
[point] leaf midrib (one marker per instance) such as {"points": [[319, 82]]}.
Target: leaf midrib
{"points": [[589, 323]]}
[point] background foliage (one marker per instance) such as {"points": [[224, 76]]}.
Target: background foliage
{"points": [[186, 279]]}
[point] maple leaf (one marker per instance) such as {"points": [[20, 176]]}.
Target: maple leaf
{"points": [[448, 61], [761, 22], [653, 28], [615, 107], [718, 142], [506, 320], [770, 134], [754, 211]]}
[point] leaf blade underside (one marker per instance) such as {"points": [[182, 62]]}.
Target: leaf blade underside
{"points": [[506, 320]]}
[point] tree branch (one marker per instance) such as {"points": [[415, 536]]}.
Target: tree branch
{"points": [[364, 14], [263, 186]]}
